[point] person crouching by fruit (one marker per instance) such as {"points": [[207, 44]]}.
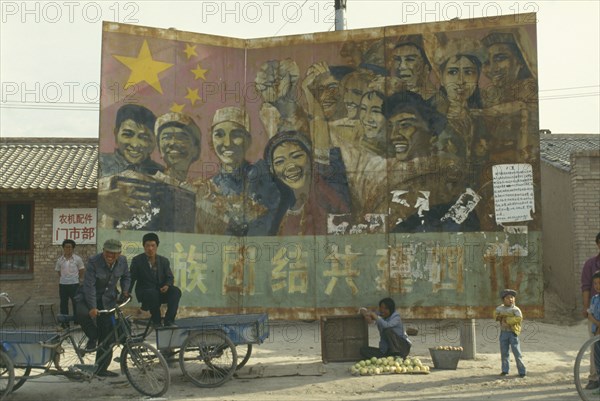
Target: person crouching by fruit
{"points": [[510, 318], [393, 339]]}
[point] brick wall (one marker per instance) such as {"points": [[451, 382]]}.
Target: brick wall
{"points": [[585, 184], [570, 221], [43, 286], [557, 226]]}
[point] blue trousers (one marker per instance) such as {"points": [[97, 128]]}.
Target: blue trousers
{"points": [[508, 339]]}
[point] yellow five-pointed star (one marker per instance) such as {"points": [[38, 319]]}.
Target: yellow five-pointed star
{"points": [[192, 95], [190, 51], [199, 72], [177, 108], [144, 68]]}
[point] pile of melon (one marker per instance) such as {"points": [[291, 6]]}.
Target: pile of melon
{"points": [[448, 348], [388, 365]]}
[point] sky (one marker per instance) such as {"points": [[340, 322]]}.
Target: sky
{"points": [[50, 50]]}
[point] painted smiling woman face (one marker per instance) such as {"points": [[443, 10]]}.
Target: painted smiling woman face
{"points": [[230, 142], [291, 165]]}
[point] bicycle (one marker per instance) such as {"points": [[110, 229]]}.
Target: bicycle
{"points": [[144, 367], [581, 369]]}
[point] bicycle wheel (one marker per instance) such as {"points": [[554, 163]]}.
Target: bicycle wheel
{"points": [[208, 358], [21, 375], [7, 375], [244, 351], [71, 351], [145, 368], [582, 369]]}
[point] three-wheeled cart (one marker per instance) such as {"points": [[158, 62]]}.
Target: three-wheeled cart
{"points": [[211, 348]]}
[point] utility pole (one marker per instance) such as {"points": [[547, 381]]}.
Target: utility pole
{"points": [[340, 17]]}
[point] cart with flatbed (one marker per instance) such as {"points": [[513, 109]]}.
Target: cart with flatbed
{"points": [[209, 349]]}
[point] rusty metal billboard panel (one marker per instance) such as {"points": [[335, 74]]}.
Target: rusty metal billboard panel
{"points": [[309, 175]]}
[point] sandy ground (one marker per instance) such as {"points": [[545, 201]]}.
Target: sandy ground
{"points": [[290, 367]]}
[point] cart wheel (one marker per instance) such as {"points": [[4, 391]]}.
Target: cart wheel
{"points": [[71, 351], [208, 358], [145, 368], [582, 369], [21, 375], [243, 352], [7, 375]]}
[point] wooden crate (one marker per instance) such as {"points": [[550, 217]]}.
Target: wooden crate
{"points": [[342, 337]]}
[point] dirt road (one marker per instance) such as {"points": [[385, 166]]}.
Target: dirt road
{"points": [[288, 367]]}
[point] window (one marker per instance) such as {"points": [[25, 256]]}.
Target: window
{"points": [[16, 238]]}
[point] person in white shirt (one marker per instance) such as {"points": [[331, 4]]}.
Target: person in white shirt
{"points": [[70, 269]]}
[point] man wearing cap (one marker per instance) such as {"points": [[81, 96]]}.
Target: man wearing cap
{"points": [[178, 139], [154, 278], [410, 67], [510, 318], [99, 291], [245, 192], [417, 203], [508, 70]]}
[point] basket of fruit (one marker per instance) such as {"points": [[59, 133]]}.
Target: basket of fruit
{"points": [[445, 357]]}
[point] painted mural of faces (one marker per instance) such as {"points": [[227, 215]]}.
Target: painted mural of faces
{"points": [[354, 86], [134, 141], [177, 146], [409, 66], [503, 64], [409, 134], [460, 77], [230, 142], [327, 92], [371, 115], [291, 165]]}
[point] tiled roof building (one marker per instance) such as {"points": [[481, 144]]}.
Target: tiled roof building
{"points": [[557, 149], [48, 163]]}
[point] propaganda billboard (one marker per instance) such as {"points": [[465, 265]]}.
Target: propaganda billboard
{"points": [[313, 174]]}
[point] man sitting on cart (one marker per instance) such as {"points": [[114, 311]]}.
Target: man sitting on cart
{"points": [[154, 278]]}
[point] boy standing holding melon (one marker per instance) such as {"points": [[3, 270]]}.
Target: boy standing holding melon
{"points": [[510, 318]]}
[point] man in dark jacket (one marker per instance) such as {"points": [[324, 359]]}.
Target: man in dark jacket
{"points": [[99, 291], [154, 278]]}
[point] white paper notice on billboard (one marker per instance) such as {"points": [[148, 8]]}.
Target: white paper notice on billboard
{"points": [[76, 224], [513, 192]]}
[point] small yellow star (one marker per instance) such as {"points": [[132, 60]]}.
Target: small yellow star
{"points": [[144, 68], [190, 51], [199, 72], [177, 108], [192, 95]]}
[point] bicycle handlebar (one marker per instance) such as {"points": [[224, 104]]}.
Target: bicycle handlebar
{"points": [[115, 308], [5, 296]]}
